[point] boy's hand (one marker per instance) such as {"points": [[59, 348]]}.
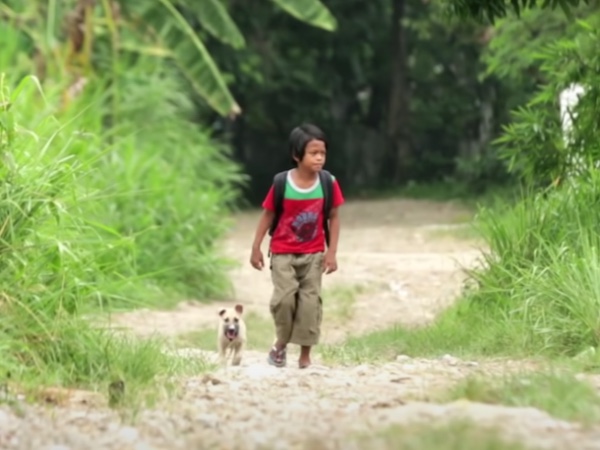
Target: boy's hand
{"points": [[256, 259], [329, 262]]}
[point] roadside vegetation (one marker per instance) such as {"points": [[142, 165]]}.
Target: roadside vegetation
{"points": [[536, 293]]}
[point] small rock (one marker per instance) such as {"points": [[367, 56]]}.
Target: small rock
{"points": [[142, 446], [304, 383], [352, 407], [402, 358], [208, 420], [129, 434], [209, 379], [472, 364], [450, 360], [400, 379], [362, 369], [259, 439], [219, 401], [388, 403]]}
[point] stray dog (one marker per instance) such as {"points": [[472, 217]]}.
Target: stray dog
{"points": [[231, 334]]}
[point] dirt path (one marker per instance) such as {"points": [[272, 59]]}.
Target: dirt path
{"points": [[256, 406], [391, 250], [408, 267]]}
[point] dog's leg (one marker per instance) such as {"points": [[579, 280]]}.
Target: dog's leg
{"points": [[222, 353], [237, 355]]}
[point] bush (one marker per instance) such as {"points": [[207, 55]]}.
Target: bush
{"points": [[95, 214], [151, 183], [160, 183], [536, 293], [542, 269], [53, 259], [533, 141], [110, 196], [538, 289]]}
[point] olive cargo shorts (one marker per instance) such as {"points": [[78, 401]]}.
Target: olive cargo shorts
{"points": [[296, 304]]}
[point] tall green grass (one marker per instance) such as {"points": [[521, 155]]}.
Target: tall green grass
{"points": [[162, 184], [543, 269], [152, 184], [53, 259], [536, 293], [108, 204]]}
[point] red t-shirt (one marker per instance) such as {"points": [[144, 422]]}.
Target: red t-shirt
{"points": [[300, 227]]}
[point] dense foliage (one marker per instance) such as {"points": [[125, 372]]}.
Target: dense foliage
{"points": [[538, 288], [296, 73], [536, 291]]}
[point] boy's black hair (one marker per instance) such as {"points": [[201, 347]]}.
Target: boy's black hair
{"points": [[302, 135]]}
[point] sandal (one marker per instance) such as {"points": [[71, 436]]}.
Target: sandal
{"points": [[276, 357]]}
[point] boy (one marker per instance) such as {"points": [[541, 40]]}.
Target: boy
{"points": [[297, 248]]}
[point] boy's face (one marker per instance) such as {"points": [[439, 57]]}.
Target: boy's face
{"points": [[314, 156]]}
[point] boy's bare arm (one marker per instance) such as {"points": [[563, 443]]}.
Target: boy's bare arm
{"points": [[330, 259], [256, 257], [334, 230]]}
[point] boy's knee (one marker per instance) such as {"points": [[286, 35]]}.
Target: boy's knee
{"points": [[284, 303]]}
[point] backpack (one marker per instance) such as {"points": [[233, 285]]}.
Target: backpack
{"points": [[279, 182]]}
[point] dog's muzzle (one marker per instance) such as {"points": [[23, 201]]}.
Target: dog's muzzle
{"points": [[231, 331]]}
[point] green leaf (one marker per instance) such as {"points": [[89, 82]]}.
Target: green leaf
{"points": [[214, 17], [494, 9], [202, 72], [154, 50], [585, 25], [29, 78], [312, 12]]}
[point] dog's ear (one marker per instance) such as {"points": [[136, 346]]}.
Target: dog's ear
{"points": [[239, 309], [222, 312]]}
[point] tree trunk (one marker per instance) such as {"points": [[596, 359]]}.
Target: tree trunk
{"points": [[398, 127]]}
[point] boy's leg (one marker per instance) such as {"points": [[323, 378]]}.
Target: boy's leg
{"points": [[309, 310], [283, 302], [304, 360]]}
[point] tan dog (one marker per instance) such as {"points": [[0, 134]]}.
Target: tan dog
{"points": [[231, 334]]}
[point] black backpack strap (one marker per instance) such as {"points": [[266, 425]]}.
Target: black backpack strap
{"points": [[279, 181], [327, 185]]}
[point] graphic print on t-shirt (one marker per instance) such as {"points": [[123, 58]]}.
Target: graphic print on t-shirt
{"points": [[305, 226], [300, 227]]}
